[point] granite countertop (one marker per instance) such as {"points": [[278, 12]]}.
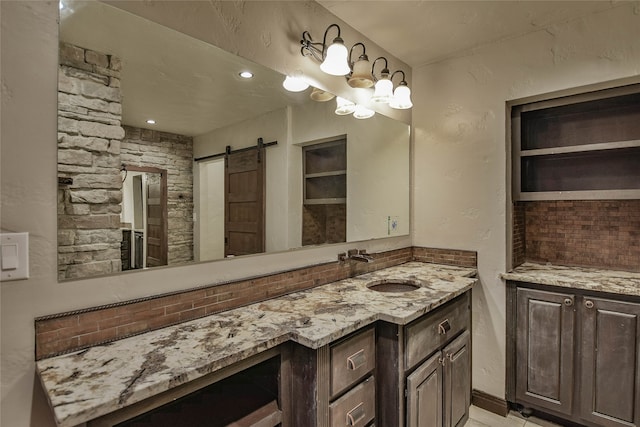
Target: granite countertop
{"points": [[591, 279], [87, 384]]}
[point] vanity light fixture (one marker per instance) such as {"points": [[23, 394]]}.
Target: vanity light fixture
{"points": [[151, 121], [402, 95], [334, 58], [245, 74], [295, 82]]}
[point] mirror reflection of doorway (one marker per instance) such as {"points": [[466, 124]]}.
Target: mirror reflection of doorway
{"points": [[144, 215], [210, 224]]}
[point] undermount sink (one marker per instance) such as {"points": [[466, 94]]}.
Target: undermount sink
{"points": [[395, 286]]}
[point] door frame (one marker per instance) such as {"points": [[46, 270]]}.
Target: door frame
{"points": [[164, 238]]}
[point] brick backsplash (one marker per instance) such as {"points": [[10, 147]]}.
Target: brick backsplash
{"points": [[589, 233], [518, 233], [446, 256], [71, 331]]}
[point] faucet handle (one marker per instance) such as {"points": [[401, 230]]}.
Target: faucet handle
{"points": [[352, 252], [342, 256]]}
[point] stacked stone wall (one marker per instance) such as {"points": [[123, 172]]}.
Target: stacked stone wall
{"points": [[90, 186], [174, 153]]}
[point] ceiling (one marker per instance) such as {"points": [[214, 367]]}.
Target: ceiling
{"points": [[423, 32], [187, 86], [190, 87]]}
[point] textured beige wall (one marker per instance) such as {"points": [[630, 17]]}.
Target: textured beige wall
{"points": [[460, 188], [266, 32]]}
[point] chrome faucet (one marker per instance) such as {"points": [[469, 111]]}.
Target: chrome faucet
{"points": [[356, 255]]}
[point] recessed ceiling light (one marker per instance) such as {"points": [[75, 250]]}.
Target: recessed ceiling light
{"points": [[151, 121], [246, 74]]}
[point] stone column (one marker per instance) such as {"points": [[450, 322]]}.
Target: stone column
{"points": [[90, 185]]}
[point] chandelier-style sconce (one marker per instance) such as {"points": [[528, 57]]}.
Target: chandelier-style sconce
{"points": [[335, 59]]}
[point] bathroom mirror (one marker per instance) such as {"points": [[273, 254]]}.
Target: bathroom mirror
{"points": [[133, 194]]}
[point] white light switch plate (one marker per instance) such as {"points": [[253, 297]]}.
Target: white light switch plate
{"points": [[14, 256]]}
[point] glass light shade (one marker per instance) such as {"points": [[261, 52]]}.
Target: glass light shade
{"points": [[361, 76], [401, 98], [383, 91], [295, 83], [344, 106], [321, 95], [363, 112], [336, 63]]}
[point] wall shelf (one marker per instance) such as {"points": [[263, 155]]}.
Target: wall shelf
{"points": [[572, 149], [325, 172]]}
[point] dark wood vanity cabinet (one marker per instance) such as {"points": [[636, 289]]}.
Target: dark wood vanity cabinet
{"points": [[545, 349], [575, 355], [424, 368], [335, 386], [438, 391]]}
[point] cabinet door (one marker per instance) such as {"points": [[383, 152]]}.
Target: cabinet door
{"points": [[610, 363], [457, 381], [545, 349], [424, 394]]}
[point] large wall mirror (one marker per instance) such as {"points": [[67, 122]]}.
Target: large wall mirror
{"points": [[166, 155]]}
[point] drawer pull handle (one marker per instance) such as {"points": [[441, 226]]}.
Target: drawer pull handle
{"points": [[444, 327], [356, 415], [356, 360], [588, 304], [568, 302]]}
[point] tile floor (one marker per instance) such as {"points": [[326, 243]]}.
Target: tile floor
{"points": [[481, 418]]}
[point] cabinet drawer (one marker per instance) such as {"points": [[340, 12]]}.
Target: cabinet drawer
{"points": [[427, 334], [356, 408], [352, 360]]}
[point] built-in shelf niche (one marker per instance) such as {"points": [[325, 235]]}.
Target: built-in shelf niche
{"points": [[325, 172], [578, 147], [324, 211]]}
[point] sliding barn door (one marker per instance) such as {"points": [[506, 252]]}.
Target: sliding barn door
{"points": [[245, 202]]}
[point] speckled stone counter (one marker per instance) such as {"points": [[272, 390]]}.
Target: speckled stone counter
{"points": [[85, 385], [591, 279]]}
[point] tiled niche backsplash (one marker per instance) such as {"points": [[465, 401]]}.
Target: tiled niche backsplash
{"points": [[66, 332], [586, 233]]}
